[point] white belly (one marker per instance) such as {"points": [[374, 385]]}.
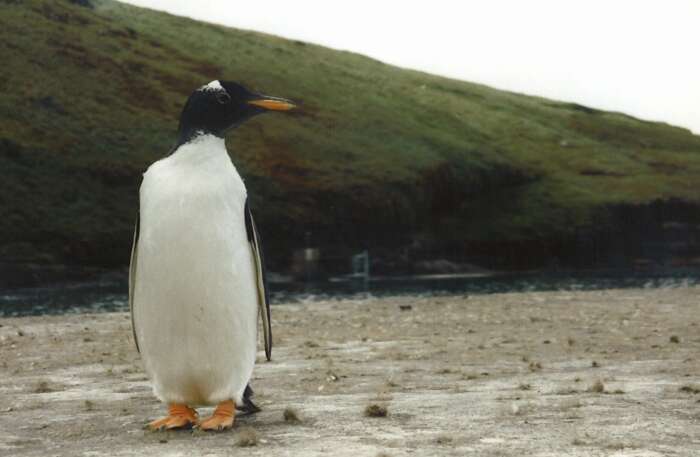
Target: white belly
{"points": [[195, 296]]}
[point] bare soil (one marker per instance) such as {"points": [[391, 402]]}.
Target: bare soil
{"points": [[525, 374]]}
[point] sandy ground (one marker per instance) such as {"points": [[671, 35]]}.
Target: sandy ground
{"points": [[525, 374]]}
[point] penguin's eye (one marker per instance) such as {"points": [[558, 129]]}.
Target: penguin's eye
{"points": [[223, 98]]}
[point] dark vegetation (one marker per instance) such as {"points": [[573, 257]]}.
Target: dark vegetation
{"points": [[406, 164]]}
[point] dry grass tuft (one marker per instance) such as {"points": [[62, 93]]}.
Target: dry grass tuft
{"points": [[444, 439], [597, 387], [376, 410], [291, 416], [535, 366], [674, 339], [247, 437], [566, 391], [521, 409], [690, 389], [42, 387]]}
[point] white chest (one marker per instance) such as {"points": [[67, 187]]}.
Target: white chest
{"points": [[192, 211]]}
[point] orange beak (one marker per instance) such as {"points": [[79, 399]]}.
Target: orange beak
{"points": [[272, 103]]}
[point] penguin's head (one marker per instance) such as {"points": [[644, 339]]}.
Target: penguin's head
{"points": [[222, 105]]}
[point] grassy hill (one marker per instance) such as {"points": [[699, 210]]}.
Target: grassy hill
{"points": [[379, 156]]}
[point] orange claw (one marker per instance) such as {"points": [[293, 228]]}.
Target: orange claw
{"points": [[179, 416], [222, 419]]}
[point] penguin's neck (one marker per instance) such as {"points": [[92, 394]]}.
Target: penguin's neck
{"points": [[203, 162], [200, 149]]}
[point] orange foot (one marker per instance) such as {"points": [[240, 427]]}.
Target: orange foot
{"points": [[179, 416], [223, 417]]}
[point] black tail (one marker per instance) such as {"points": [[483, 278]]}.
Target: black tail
{"points": [[248, 407]]}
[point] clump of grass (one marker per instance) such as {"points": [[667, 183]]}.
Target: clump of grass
{"points": [[521, 409], [89, 405], [689, 389], [444, 439], [597, 387], [310, 344], [291, 416], [595, 364], [444, 371], [42, 387], [470, 376], [535, 366], [618, 392], [566, 391], [572, 403], [674, 339], [578, 442], [524, 386], [376, 410], [247, 437], [570, 341]]}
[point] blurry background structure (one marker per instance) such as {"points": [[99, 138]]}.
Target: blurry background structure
{"points": [[429, 174]]}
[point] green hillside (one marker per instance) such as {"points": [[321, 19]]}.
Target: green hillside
{"points": [[378, 156]]}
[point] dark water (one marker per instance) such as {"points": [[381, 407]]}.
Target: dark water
{"points": [[111, 294]]}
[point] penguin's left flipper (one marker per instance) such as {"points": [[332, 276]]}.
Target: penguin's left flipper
{"points": [[261, 279], [248, 407]]}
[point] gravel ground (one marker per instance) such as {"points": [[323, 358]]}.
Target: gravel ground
{"points": [[600, 373]]}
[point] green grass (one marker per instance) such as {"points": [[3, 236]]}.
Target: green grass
{"points": [[377, 155]]}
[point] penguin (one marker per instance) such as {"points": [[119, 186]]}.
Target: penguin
{"points": [[197, 276]]}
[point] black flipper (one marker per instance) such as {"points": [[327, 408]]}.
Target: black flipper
{"points": [[132, 278], [263, 292]]}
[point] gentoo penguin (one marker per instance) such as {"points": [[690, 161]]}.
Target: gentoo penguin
{"points": [[197, 280]]}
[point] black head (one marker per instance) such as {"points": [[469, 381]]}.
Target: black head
{"points": [[222, 105]]}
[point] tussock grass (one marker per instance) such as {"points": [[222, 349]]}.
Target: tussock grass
{"points": [[247, 437], [291, 416], [597, 387], [42, 387], [376, 410], [690, 389]]}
